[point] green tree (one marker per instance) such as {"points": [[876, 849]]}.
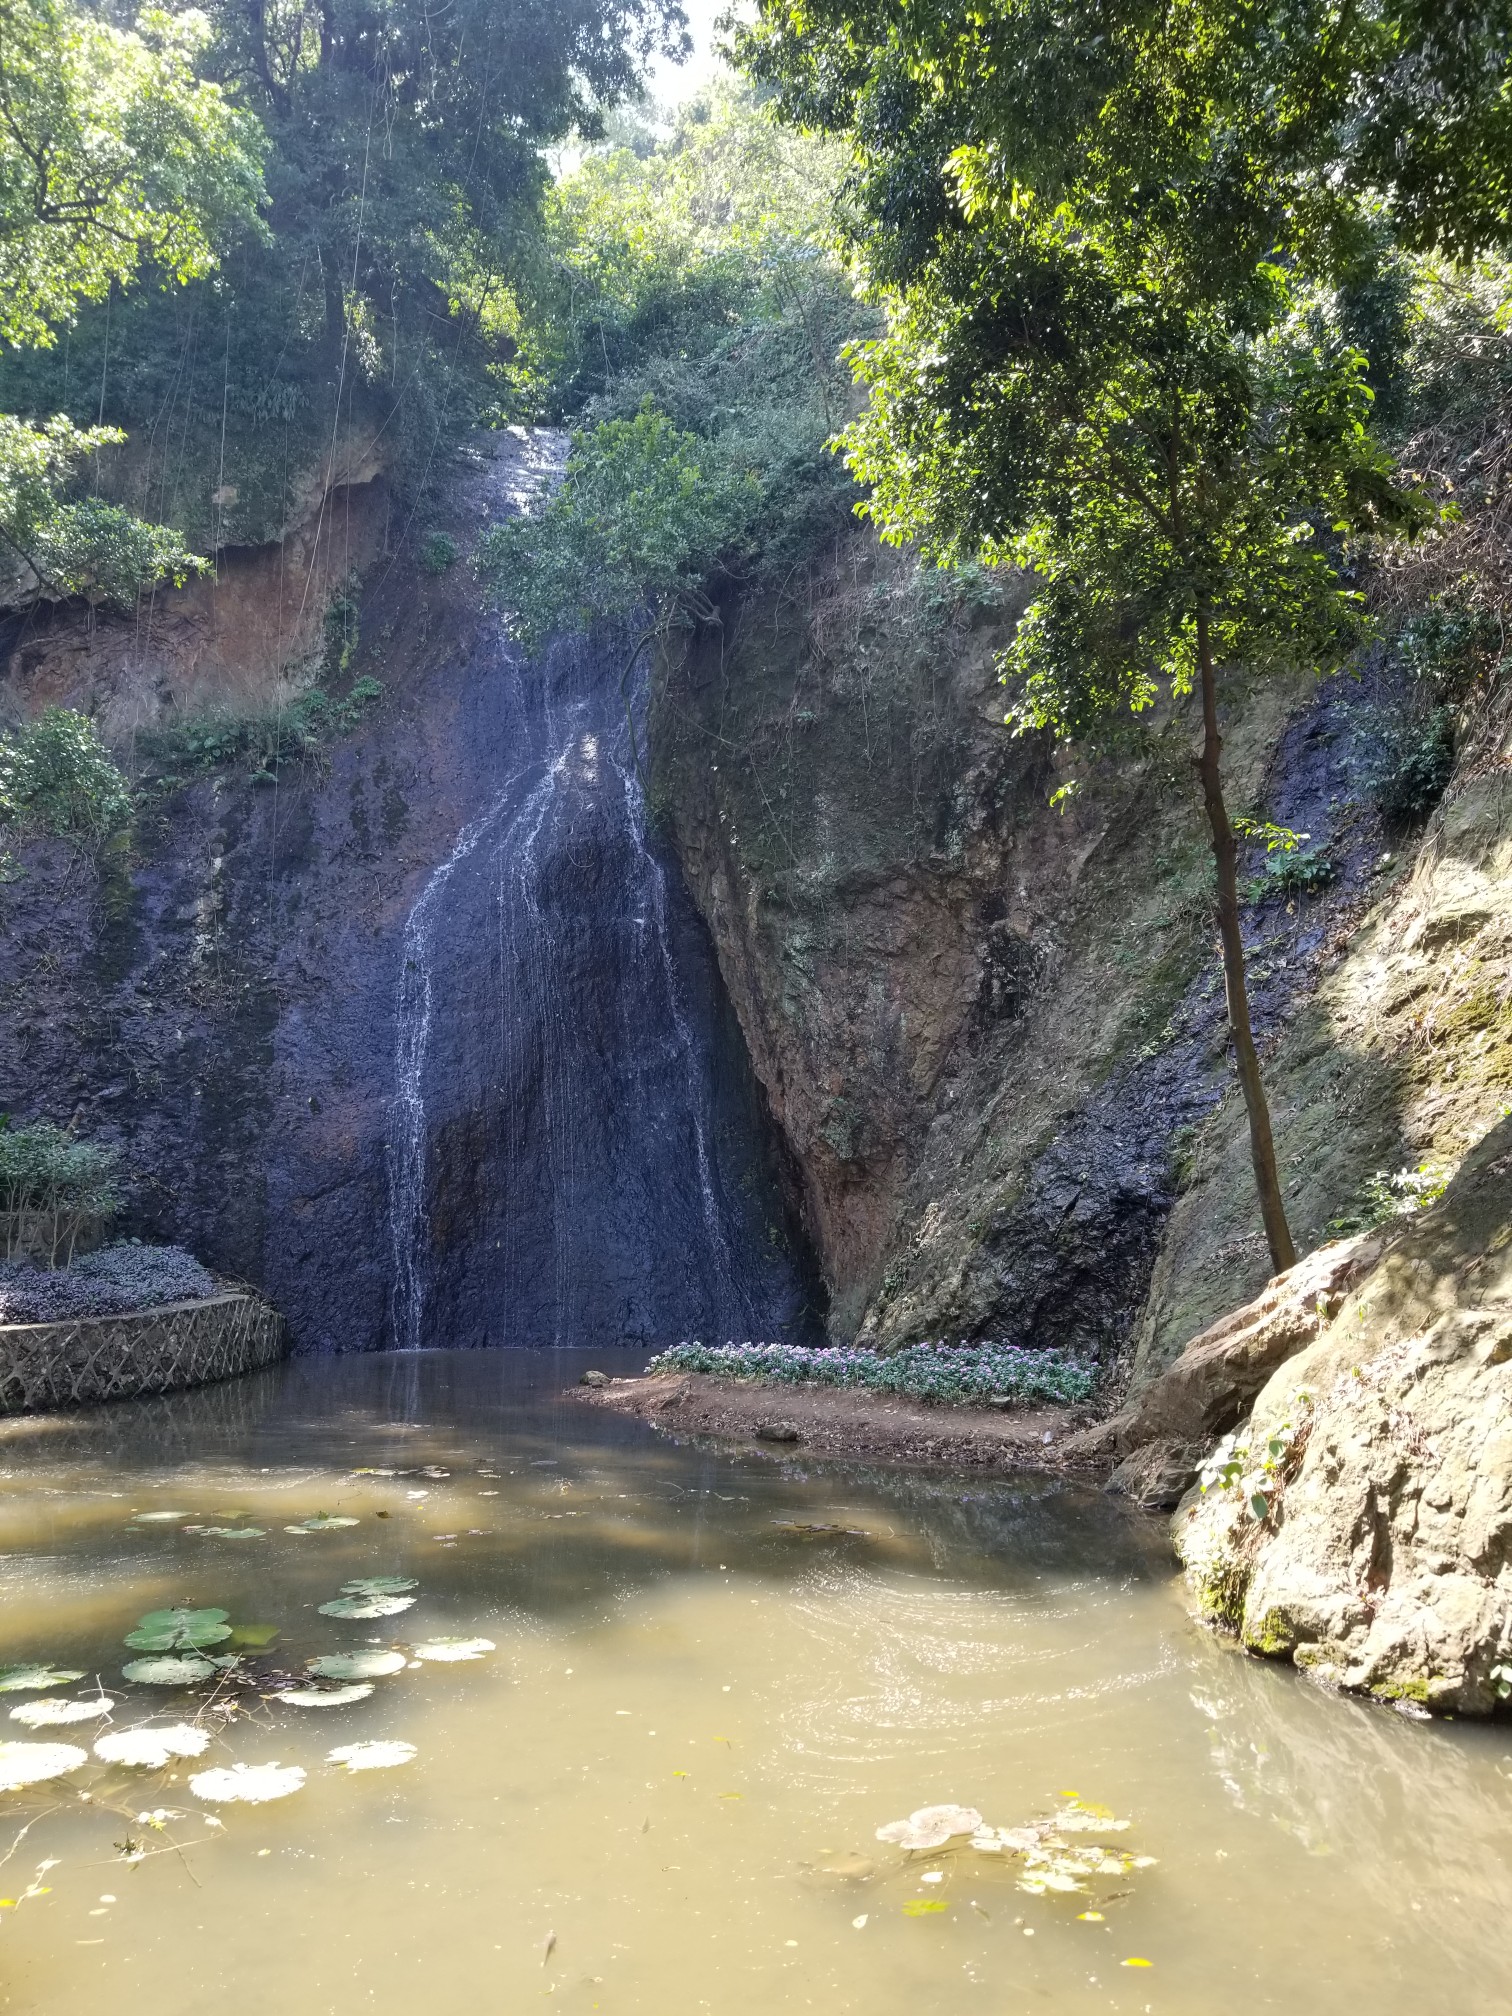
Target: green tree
{"points": [[113, 153], [1101, 363]]}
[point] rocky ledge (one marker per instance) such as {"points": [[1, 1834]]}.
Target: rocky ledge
{"points": [[1359, 1521]]}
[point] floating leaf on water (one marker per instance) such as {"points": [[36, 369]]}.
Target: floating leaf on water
{"points": [[52, 1714], [251, 1784], [321, 1522], [179, 1630], [367, 1606], [931, 1827], [168, 1671], [380, 1585], [149, 1749], [372, 1756], [924, 1907], [448, 1649], [32, 1763], [234, 1532], [153, 1518], [1136, 1962], [373, 1665], [26, 1679], [253, 1637], [326, 1697], [1077, 1821]]}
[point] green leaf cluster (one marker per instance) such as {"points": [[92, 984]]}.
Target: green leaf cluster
{"points": [[57, 777]]}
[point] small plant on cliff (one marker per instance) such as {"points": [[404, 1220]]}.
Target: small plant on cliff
{"points": [[1384, 1196], [57, 777], [438, 551], [51, 1187]]}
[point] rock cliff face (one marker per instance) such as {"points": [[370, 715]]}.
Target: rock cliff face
{"points": [[218, 993], [1364, 1526], [993, 1030]]}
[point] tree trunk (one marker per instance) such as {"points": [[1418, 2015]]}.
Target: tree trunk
{"points": [[1225, 856]]}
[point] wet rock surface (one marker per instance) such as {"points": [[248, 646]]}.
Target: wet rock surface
{"points": [[221, 999]]}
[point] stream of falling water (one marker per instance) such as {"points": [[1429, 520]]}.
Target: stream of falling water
{"points": [[555, 1150]]}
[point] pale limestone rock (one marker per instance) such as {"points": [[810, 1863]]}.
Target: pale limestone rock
{"points": [[1384, 1562]]}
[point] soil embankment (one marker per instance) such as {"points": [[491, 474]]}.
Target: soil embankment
{"points": [[830, 1421]]}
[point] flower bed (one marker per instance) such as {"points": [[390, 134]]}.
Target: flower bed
{"points": [[115, 1281], [958, 1372]]}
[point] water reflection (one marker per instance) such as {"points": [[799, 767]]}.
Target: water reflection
{"points": [[715, 1677]]}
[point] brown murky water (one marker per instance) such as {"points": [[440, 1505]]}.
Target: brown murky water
{"points": [[658, 1795]]}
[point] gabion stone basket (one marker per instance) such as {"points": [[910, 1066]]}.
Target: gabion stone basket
{"points": [[86, 1358]]}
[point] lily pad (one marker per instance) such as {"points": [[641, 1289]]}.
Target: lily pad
{"points": [[372, 1756], [450, 1649], [327, 1697], [373, 1665], [321, 1522], [367, 1606], [931, 1827], [250, 1784], [169, 1671], [26, 1679], [234, 1532], [179, 1630], [51, 1713], [149, 1748], [380, 1585], [253, 1637], [32, 1763]]}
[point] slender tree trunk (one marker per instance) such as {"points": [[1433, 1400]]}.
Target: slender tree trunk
{"points": [[1225, 856]]}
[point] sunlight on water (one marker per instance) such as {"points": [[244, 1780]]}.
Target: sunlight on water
{"points": [[660, 1792]]}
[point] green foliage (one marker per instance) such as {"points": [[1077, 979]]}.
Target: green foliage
{"points": [[1408, 761], [82, 547], [438, 551], [637, 519], [405, 176], [51, 1187], [175, 751], [1384, 1196], [57, 777], [691, 314], [1299, 872], [112, 150], [1450, 645]]}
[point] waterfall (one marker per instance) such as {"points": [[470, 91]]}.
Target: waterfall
{"points": [[575, 1151]]}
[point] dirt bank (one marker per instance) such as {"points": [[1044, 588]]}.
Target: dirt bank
{"points": [[828, 1421]]}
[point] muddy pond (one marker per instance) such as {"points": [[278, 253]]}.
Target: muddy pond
{"points": [[618, 1720]]}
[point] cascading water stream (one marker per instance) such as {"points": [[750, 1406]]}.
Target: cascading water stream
{"points": [[576, 1151]]}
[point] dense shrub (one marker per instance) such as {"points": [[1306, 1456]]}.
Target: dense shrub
{"points": [[264, 743], [51, 1187], [112, 1282], [961, 1372], [57, 776]]}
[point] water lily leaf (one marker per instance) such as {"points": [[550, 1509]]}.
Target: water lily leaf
{"points": [[253, 1637], [372, 1756], [380, 1585], [149, 1749], [182, 1671], [234, 1532], [931, 1827], [32, 1763], [321, 1522], [373, 1665], [179, 1630], [366, 1606], [51, 1713], [24, 1679], [448, 1649], [326, 1697], [251, 1784]]}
